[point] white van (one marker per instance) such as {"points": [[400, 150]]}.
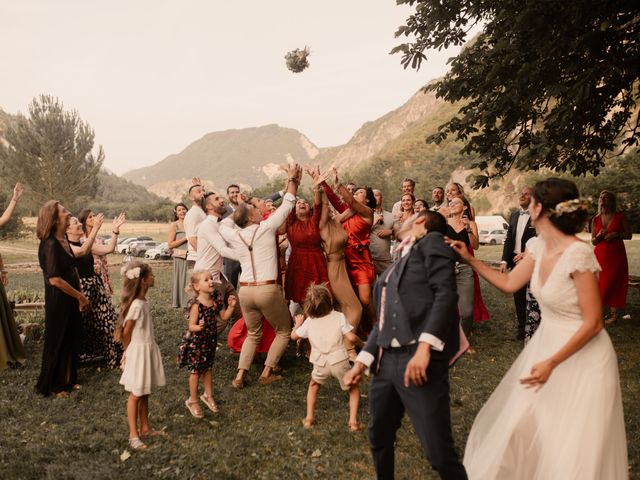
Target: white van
{"points": [[491, 222]]}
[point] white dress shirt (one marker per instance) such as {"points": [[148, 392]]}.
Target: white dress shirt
{"points": [[194, 217], [211, 248], [265, 251]]}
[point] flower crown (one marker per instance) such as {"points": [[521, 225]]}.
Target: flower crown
{"points": [[130, 273], [570, 206]]}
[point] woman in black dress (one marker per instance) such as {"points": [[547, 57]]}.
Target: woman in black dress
{"points": [[63, 302], [99, 322]]}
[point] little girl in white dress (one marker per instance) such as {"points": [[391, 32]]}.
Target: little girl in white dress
{"points": [[142, 361]]}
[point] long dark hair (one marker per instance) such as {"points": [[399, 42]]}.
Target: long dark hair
{"points": [[82, 218], [175, 210], [47, 220]]}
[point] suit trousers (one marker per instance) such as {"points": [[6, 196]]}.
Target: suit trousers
{"points": [[520, 299], [427, 407], [267, 301]]}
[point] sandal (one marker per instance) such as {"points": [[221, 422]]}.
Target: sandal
{"points": [[153, 433], [308, 423], [136, 443], [237, 383], [208, 401], [355, 427], [194, 408]]}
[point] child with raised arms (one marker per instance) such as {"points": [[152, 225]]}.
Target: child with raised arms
{"points": [[326, 330], [205, 312], [142, 361]]}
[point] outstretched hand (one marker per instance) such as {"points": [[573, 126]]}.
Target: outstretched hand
{"points": [[119, 221], [17, 192], [98, 220], [460, 248]]}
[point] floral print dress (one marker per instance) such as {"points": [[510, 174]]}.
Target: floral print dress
{"points": [[197, 349]]}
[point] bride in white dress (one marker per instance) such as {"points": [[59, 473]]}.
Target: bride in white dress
{"points": [[557, 413]]}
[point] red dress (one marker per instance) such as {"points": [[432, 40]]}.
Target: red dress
{"points": [[307, 263], [480, 310], [360, 265], [612, 257]]}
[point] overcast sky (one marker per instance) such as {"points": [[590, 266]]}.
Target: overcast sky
{"points": [[153, 76]]}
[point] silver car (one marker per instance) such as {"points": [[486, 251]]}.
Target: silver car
{"points": [[492, 237]]}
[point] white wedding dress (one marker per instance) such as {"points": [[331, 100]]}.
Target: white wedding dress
{"points": [[573, 427]]}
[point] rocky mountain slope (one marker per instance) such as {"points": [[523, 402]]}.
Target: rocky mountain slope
{"points": [[247, 156]]}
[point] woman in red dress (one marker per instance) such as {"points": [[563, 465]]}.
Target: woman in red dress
{"points": [[307, 263], [608, 230], [355, 214]]}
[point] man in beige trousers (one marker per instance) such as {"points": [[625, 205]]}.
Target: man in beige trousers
{"points": [[253, 241]]}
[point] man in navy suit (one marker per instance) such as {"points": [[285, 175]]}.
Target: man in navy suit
{"points": [[410, 347], [519, 232]]}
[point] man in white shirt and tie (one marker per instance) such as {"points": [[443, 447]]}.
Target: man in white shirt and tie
{"points": [[518, 234], [192, 220], [253, 242]]}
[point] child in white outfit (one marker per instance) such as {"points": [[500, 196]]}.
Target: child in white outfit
{"points": [[326, 330], [142, 368]]}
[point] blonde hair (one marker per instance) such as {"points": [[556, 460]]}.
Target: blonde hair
{"points": [[47, 220], [318, 301], [130, 290], [196, 275]]}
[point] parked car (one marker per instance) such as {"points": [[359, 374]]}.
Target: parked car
{"points": [[161, 252], [125, 243], [492, 237], [138, 249]]}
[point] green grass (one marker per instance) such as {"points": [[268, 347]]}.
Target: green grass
{"points": [[257, 434]]}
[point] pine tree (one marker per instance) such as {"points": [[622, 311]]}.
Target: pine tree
{"points": [[51, 152]]}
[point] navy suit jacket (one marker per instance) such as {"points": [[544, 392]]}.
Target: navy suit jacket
{"points": [[427, 291]]}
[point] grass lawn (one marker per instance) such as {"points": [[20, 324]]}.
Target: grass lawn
{"points": [[257, 434]]}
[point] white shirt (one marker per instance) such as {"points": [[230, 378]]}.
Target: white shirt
{"points": [[211, 248], [523, 218], [265, 250], [194, 217], [367, 359]]}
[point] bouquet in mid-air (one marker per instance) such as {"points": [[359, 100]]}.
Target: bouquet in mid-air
{"points": [[297, 59]]}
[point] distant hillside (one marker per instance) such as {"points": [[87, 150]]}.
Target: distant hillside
{"points": [[373, 136], [408, 155], [247, 156]]}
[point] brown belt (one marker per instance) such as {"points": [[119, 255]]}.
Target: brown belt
{"points": [[258, 284]]}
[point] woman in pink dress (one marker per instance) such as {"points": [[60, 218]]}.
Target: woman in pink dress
{"points": [[608, 230]]}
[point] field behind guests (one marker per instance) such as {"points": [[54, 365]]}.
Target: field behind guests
{"points": [[257, 434]]}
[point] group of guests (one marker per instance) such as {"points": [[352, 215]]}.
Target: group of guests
{"points": [[316, 263]]}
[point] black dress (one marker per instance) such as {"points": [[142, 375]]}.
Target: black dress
{"points": [[98, 323], [62, 320]]}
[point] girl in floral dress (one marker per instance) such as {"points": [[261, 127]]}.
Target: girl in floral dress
{"points": [[199, 342]]}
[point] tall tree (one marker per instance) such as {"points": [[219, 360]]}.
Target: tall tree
{"points": [[51, 152], [547, 83]]}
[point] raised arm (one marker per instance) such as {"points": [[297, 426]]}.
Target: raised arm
{"points": [[113, 242], [87, 246], [277, 218], [337, 203], [507, 282], [17, 193]]}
